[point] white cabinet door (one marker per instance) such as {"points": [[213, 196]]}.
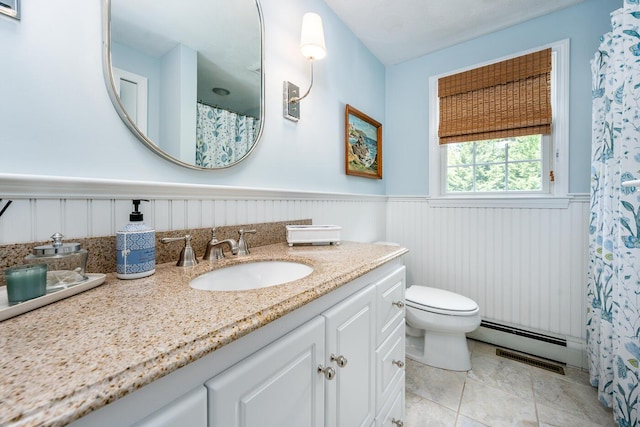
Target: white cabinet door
{"points": [[350, 325], [278, 386], [189, 410]]}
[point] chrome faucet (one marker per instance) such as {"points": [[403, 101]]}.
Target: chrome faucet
{"points": [[243, 246], [187, 255], [214, 247]]}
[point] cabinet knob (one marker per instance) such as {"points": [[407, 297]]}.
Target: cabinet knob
{"points": [[341, 361], [398, 363], [399, 423], [329, 372], [398, 304]]}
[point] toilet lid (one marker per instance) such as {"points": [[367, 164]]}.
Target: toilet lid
{"points": [[439, 300]]}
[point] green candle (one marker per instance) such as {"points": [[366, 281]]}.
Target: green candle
{"points": [[25, 282]]}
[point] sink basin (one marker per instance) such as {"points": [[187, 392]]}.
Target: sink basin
{"points": [[251, 275]]}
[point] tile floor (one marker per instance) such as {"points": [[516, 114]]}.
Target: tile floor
{"points": [[500, 392]]}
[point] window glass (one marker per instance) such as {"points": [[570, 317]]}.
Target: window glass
{"points": [[498, 165]]}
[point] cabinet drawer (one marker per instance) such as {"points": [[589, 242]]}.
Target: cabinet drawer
{"points": [[390, 293], [392, 414], [390, 364]]}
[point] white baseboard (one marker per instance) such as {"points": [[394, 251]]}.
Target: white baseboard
{"points": [[573, 353]]}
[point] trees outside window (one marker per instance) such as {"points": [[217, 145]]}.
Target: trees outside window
{"points": [[496, 165]]}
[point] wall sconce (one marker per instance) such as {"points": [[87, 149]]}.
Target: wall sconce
{"points": [[313, 47]]}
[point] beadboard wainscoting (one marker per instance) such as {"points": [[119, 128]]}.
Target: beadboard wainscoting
{"points": [[76, 207], [524, 262]]}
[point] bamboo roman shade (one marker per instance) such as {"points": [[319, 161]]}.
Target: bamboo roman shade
{"points": [[506, 99]]}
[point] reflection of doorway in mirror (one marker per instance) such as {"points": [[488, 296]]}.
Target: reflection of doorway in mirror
{"points": [[133, 93]]}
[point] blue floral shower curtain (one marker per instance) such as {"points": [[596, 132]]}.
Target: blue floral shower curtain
{"points": [[222, 136], [613, 288]]}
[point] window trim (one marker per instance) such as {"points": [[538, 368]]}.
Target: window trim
{"points": [[559, 131]]}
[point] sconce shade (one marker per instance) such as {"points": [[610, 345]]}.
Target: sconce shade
{"points": [[312, 46], [312, 37]]}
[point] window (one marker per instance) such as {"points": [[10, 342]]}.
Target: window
{"points": [[476, 155], [506, 164]]}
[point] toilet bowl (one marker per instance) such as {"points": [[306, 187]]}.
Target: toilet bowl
{"points": [[437, 321]]}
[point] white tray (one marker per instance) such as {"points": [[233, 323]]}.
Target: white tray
{"points": [[314, 234], [7, 311]]}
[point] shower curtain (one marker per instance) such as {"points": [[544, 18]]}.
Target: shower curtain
{"points": [[222, 137], [613, 288]]}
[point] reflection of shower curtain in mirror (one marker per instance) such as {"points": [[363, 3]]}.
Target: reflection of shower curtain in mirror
{"points": [[222, 137]]}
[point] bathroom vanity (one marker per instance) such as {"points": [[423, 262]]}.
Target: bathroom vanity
{"points": [[325, 350]]}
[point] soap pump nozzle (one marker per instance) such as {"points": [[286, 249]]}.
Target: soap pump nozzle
{"points": [[136, 215]]}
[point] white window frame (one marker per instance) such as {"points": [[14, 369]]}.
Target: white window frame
{"points": [[557, 195]]}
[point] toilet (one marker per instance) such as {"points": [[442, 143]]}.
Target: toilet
{"points": [[437, 321]]}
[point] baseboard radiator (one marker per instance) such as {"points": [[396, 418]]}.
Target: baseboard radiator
{"points": [[555, 348]]}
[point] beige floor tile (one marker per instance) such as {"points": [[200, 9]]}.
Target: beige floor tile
{"points": [[565, 395], [495, 407], [577, 376], [426, 413], [439, 385], [468, 422], [552, 417], [501, 392], [504, 374], [479, 347]]}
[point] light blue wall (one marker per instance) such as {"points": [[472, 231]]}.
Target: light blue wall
{"points": [[178, 98], [57, 119], [407, 87]]}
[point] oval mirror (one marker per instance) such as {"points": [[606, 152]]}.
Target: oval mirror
{"points": [[186, 77]]}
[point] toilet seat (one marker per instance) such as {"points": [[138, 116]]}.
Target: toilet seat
{"points": [[440, 301]]}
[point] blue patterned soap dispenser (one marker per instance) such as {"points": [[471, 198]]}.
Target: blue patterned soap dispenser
{"points": [[135, 247]]}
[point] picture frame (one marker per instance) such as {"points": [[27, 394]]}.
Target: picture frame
{"points": [[10, 8], [363, 144]]}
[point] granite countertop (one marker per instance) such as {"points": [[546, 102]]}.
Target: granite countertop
{"points": [[64, 360]]}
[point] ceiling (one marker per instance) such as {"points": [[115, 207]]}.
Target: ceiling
{"points": [[399, 30]]}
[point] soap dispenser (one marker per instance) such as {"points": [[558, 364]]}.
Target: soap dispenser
{"points": [[135, 247]]}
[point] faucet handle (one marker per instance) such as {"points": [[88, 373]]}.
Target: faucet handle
{"points": [[187, 255], [213, 251], [243, 246]]}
